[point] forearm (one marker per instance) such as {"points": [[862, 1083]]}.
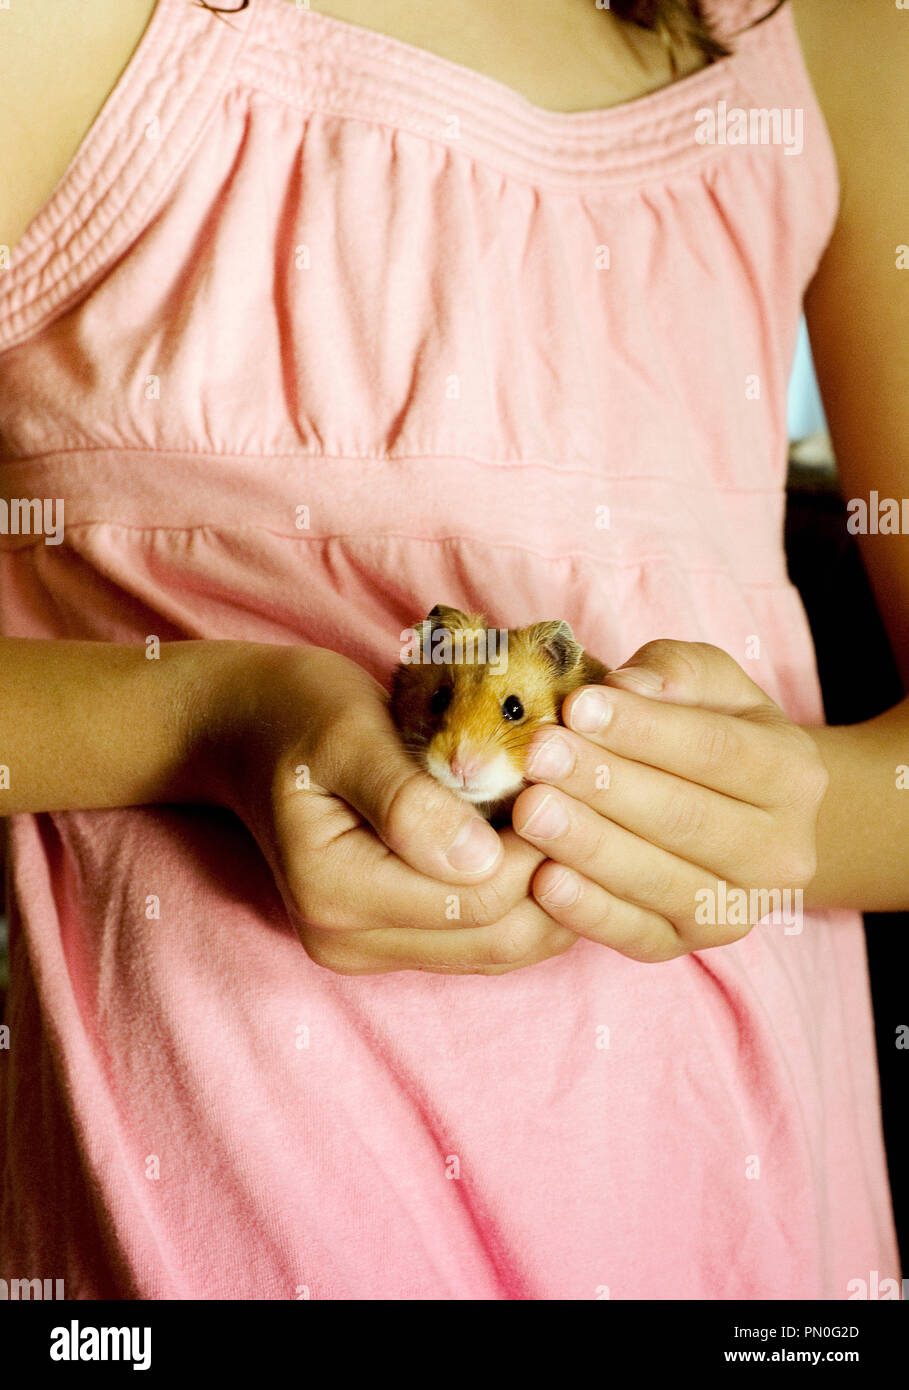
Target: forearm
{"points": [[863, 827], [85, 725]]}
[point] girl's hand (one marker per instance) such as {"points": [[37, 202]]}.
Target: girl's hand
{"points": [[380, 868], [679, 772]]}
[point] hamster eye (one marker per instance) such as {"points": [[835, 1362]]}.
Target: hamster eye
{"points": [[440, 699], [512, 708]]}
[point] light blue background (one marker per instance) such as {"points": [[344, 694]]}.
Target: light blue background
{"points": [[805, 414]]}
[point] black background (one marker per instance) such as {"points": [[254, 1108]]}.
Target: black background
{"points": [[859, 679]]}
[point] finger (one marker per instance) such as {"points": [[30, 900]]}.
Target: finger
{"points": [[600, 916], [727, 836], [738, 757], [523, 937], [340, 875], [359, 756], [612, 857], [693, 673]]}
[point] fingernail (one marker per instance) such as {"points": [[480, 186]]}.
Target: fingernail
{"points": [[638, 678], [475, 847], [551, 759], [547, 821], [590, 712], [564, 891]]}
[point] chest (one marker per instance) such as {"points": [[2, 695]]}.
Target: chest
{"points": [[562, 55]]}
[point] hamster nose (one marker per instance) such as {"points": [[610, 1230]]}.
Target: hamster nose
{"points": [[465, 764]]}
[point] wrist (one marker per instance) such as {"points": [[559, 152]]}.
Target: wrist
{"points": [[239, 720], [863, 822]]}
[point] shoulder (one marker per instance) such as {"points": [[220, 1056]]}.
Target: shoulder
{"points": [[858, 57], [832, 29], [58, 64]]}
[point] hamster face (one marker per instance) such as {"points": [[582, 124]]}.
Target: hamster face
{"points": [[469, 725]]}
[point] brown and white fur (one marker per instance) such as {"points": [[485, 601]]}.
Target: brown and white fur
{"points": [[458, 719]]}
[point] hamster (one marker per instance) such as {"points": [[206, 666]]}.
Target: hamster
{"points": [[472, 698]]}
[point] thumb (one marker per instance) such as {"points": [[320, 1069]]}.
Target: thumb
{"points": [[424, 824], [694, 673]]}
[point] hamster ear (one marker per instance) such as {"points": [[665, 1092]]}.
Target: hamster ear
{"points": [[556, 640], [440, 616], [446, 617]]}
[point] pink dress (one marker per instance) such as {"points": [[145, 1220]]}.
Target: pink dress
{"points": [[295, 264]]}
